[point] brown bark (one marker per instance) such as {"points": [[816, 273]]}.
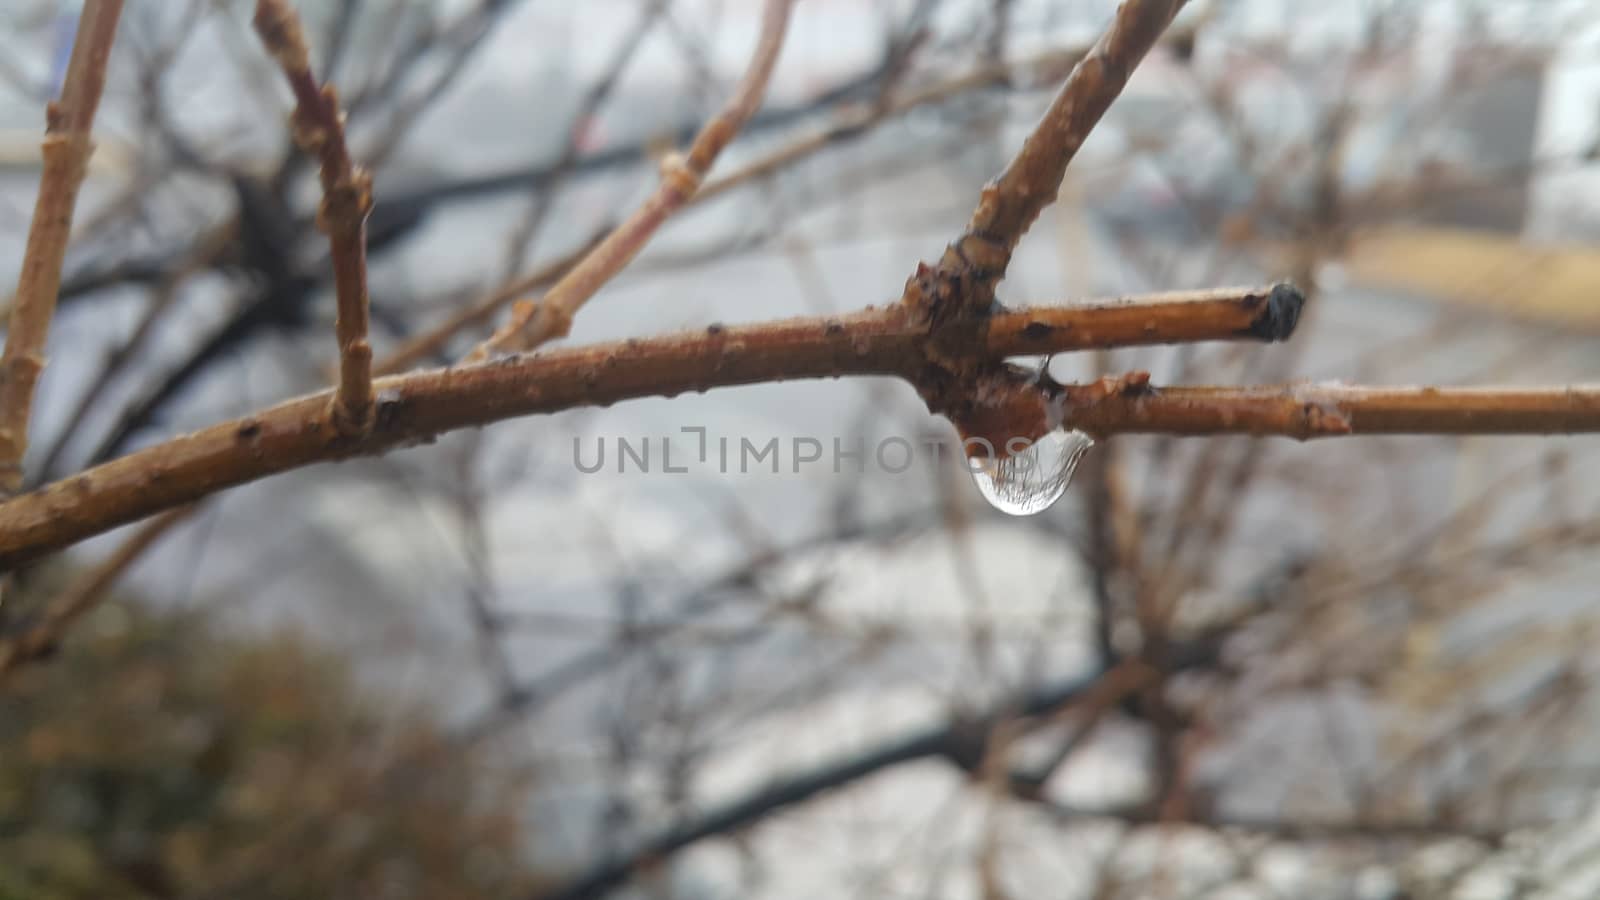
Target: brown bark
{"points": [[318, 129], [962, 284], [1315, 410], [419, 406], [66, 159]]}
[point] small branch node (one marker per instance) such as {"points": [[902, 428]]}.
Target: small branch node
{"points": [[678, 176]]}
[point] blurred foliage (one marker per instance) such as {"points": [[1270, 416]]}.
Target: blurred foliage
{"points": [[156, 757]]}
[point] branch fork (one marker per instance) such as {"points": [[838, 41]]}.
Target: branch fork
{"points": [[956, 297]]}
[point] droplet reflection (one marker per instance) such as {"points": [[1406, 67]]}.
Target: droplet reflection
{"points": [[1030, 482]]}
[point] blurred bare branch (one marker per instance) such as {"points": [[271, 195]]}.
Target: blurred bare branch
{"points": [[67, 147]]}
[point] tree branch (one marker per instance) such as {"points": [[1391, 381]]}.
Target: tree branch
{"points": [[318, 129], [81, 595], [66, 151], [957, 296], [534, 323], [431, 342], [1285, 827], [1305, 411], [963, 283], [962, 740], [850, 122], [162, 299], [419, 406], [851, 119], [410, 206], [1012, 202]]}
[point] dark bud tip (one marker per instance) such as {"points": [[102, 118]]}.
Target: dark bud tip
{"points": [[1279, 315]]}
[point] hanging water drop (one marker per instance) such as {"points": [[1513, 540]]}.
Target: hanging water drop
{"points": [[1030, 482]]}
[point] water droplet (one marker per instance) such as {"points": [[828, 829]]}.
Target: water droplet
{"points": [[1030, 482]]}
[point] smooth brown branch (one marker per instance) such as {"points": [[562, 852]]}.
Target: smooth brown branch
{"points": [[318, 129], [963, 283], [534, 323], [1012, 202], [1267, 313], [1130, 405], [66, 150]]}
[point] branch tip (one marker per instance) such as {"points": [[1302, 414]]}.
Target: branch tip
{"points": [[1280, 313]]}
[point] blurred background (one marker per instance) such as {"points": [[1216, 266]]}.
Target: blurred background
{"points": [[476, 669]]}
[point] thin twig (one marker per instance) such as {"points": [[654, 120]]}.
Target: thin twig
{"points": [[960, 741], [589, 106], [318, 129], [534, 323], [433, 341], [461, 40], [850, 121], [66, 151], [1289, 827], [1030, 182], [963, 283], [81, 595], [1307, 411], [162, 299]]}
